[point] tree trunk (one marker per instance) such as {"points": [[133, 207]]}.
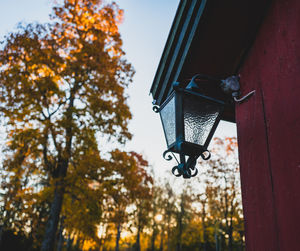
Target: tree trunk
{"points": [[217, 239], [161, 239], [242, 244], [169, 230], [178, 246], [137, 244], [153, 237], [118, 237], [59, 173], [230, 243], [203, 217], [1, 232], [60, 234], [204, 235], [230, 246], [152, 241], [52, 224], [180, 226], [69, 243]]}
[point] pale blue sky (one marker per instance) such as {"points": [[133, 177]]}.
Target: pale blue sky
{"points": [[144, 32]]}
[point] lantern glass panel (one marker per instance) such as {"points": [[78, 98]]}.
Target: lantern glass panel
{"points": [[167, 114], [199, 117]]}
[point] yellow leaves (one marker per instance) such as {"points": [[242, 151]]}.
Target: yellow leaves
{"points": [[120, 16], [89, 245], [44, 71], [40, 71], [33, 77], [65, 83], [114, 52], [94, 185], [87, 15], [24, 192]]}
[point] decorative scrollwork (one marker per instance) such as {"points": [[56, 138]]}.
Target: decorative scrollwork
{"points": [[155, 108], [179, 171], [167, 155], [205, 156], [186, 169], [195, 173]]}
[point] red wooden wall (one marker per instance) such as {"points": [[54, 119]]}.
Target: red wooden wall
{"points": [[268, 127]]}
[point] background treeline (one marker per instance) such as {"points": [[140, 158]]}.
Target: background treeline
{"points": [[135, 210], [64, 106]]}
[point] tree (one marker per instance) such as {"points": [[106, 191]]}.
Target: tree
{"points": [[183, 214], [168, 211], [223, 198], [141, 196], [131, 183], [62, 84], [156, 202]]}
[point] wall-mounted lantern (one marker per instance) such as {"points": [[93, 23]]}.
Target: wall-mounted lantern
{"points": [[190, 119]]}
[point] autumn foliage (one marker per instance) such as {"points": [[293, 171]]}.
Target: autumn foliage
{"points": [[62, 86], [63, 101]]}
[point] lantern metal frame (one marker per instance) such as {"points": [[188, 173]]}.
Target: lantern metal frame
{"points": [[186, 167]]}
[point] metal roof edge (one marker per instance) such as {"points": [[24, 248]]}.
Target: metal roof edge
{"points": [[172, 40]]}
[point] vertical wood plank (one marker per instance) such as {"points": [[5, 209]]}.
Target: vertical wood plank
{"points": [[269, 132], [256, 179]]}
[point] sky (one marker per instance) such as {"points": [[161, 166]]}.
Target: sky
{"points": [[144, 32]]}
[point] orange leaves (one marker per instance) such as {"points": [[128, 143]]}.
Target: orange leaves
{"points": [[226, 146], [62, 84]]}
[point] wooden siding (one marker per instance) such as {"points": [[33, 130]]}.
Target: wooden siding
{"points": [[269, 132]]}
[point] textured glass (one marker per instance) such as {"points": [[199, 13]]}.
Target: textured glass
{"points": [[199, 118], [167, 115]]}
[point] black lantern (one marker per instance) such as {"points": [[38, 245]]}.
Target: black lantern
{"points": [[189, 120]]}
